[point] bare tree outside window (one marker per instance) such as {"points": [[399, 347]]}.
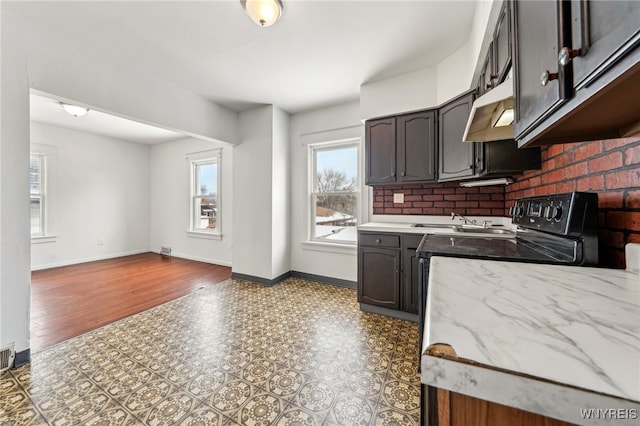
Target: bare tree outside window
{"points": [[335, 193]]}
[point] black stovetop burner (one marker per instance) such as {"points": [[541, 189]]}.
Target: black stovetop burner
{"points": [[558, 229]]}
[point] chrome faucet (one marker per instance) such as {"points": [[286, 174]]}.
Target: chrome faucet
{"points": [[471, 223], [466, 221]]}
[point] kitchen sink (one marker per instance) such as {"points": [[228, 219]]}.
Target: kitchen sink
{"points": [[482, 230], [434, 225]]}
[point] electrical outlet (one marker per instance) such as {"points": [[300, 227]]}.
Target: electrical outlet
{"points": [[100, 242], [398, 197]]}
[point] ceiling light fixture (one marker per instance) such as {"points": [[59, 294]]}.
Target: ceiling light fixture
{"points": [[263, 12], [75, 110]]}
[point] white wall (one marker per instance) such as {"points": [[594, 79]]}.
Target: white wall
{"points": [[323, 125], [170, 202], [454, 74], [406, 92], [430, 87], [14, 190], [281, 195], [252, 194], [102, 193]]}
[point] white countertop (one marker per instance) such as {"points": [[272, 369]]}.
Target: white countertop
{"points": [[406, 224], [573, 326]]}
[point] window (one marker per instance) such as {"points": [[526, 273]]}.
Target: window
{"points": [[335, 191], [205, 195], [37, 186]]}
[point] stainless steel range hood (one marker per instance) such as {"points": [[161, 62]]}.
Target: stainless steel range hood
{"points": [[491, 117]]}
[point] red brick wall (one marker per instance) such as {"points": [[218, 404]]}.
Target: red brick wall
{"points": [[611, 168], [440, 199]]}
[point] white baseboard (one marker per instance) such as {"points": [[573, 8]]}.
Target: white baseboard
{"points": [[87, 259]]}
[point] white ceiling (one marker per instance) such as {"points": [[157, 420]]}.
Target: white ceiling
{"points": [[319, 53], [47, 110]]}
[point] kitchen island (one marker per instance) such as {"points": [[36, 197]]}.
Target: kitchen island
{"points": [[559, 341]]}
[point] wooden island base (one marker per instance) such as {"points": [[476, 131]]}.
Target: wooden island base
{"points": [[455, 409]]}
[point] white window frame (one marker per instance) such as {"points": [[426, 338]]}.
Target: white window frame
{"points": [[42, 195], [198, 159], [47, 193], [313, 192]]}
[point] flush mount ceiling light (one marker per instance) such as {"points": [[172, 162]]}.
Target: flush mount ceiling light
{"points": [[75, 110], [263, 12]]}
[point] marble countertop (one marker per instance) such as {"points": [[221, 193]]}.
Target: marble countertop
{"points": [[571, 326]]}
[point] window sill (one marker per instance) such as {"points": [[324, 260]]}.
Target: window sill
{"points": [[204, 235], [44, 239], [350, 249]]}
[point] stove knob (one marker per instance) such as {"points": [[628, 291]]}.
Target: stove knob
{"points": [[556, 213]]}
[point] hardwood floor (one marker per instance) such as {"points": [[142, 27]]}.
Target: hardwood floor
{"points": [[71, 300]]}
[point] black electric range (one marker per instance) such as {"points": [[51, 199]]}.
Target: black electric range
{"points": [[553, 229]]}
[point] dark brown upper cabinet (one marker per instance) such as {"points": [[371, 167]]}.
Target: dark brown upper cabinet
{"points": [[488, 81], [502, 46], [416, 145], [380, 151], [401, 149], [497, 61], [539, 87], [456, 158], [460, 160], [576, 70]]}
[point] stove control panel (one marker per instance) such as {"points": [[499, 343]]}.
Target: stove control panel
{"points": [[561, 214]]}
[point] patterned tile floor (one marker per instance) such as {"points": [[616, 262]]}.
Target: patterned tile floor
{"points": [[299, 353]]}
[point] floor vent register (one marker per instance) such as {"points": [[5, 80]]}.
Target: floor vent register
{"points": [[7, 356]]}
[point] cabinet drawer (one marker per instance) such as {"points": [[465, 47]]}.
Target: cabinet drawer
{"points": [[380, 240]]}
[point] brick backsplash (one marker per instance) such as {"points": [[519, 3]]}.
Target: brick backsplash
{"points": [[611, 168], [440, 199]]}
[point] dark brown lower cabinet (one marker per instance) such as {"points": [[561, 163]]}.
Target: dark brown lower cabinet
{"points": [[379, 277], [388, 270], [455, 409]]}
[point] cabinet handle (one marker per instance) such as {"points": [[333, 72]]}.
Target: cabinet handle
{"points": [[566, 55], [470, 166], [403, 174], [547, 76], [378, 240]]}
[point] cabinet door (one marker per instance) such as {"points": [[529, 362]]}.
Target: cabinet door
{"points": [[416, 147], [537, 33], [502, 45], [488, 72], [455, 157], [380, 151], [379, 277], [410, 281], [602, 32]]}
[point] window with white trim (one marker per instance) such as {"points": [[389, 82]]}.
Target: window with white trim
{"points": [[37, 189], [335, 191], [205, 195]]}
